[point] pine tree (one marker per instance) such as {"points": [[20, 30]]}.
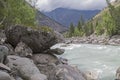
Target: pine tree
{"points": [[91, 28], [82, 20], [79, 26], [71, 30]]}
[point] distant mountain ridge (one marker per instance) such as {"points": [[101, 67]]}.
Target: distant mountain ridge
{"points": [[44, 20], [66, 16]]}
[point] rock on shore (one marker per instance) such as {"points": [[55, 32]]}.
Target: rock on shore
{"points": [[37, 40], [25, 54], [93, 39]]}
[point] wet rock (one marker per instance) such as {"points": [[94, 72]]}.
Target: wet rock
{"points": [[4, 76], [68, 41], [2, 37], [3, 53], [66, 72], [55, 51], [118, 74], [25, 67], [63, 60], [91, 75], [37, 40], [23, 50], [65, 45]]}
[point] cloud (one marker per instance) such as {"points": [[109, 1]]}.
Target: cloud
{"points": [[48, 5]]}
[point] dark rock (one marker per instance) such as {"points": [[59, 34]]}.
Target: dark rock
{"points": [[3, 53], [66, 72], [25, 67], [37, 40], [2, 37], [23, 50], [55, 51], [4, 76]]}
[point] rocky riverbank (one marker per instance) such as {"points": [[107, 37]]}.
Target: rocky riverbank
{"points": [[25, 54], [93, 39]]}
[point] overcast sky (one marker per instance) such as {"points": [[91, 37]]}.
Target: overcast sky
{"points": [[48, 5]]}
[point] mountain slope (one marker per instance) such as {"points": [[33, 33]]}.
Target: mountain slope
{"points": [[105, 23], [66, 16], [43, 20]]}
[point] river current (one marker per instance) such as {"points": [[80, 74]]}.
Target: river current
{"points": [[103, 59]]}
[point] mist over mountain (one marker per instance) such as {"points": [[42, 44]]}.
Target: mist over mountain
{"points": [[66, 16]]}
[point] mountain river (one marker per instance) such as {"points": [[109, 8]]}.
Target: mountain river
{"points": [[103, 59]]}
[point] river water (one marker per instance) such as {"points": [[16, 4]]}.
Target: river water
{"points": [[100, 58]]}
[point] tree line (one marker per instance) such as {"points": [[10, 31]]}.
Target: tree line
{"points": [[81, 29], [108, 23]]}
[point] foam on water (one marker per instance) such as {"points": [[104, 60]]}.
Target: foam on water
{"points": [[103, 59], [66, 46]]}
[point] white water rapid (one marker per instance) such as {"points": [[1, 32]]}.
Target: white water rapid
{"points": [[103, 59]]}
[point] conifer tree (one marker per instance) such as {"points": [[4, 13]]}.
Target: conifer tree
{"points": [[71, 30]]}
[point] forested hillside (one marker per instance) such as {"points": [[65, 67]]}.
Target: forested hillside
{"points": [[16, 12], [107, 22]]}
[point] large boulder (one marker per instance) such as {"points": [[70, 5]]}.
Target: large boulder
{"points": [[37, 40], [3, 52], [66, 72], [25, 67], [4, 76]]}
